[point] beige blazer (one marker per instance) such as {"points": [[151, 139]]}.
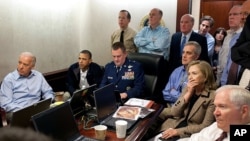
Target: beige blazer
{"points": [[201, 115]]}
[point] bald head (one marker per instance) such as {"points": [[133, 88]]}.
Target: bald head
{"points": [[155, 16]]}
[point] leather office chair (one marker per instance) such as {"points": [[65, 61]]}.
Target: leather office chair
{"points": [[3, 121], [155, 74]]}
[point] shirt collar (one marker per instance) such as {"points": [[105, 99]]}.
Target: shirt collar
{"points": [[18, 76]]}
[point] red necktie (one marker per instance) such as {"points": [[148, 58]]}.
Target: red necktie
{"points": [[222, 136], [232, 75]]}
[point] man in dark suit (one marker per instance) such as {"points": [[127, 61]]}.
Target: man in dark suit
{"points": [[186, 34], [83, 73]]}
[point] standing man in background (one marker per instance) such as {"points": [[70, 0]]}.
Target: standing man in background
{"points": [[180, 38], [206, 23], [125, 34], [225, 75], [154, 39]]}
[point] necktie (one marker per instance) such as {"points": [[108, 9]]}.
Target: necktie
{"points": [[121, 37], [182, 44], [117, 70], [222, 136], [232, 75]]}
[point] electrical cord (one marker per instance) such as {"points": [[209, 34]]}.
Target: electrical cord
{"points": [[86, 120]]}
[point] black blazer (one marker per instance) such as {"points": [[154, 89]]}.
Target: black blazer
{"points": [[94, 76], [175, 58], [240, 52]]}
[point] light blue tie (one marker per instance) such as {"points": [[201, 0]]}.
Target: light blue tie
{"points": [[182, 44]]}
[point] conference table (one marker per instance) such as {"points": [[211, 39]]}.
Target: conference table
{"points": [[136, 134]]}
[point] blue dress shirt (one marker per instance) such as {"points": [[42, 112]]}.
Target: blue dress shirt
{"points": [[177, 81], [153, 41], [223, 80], [18, 92]]}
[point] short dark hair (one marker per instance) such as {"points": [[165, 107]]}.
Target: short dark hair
{"points": [[209, 19], [128, 14], [87, 52], [119, 45]]}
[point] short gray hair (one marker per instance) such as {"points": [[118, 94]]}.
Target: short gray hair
{"points": [[237, 95], [196, 45], [30, 55]]}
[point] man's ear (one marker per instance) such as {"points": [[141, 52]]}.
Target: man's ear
{"points": [[245, 111]]}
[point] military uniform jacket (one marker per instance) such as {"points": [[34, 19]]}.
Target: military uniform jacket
{"points": [[129, 79]]}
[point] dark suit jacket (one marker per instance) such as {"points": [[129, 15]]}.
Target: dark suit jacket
{"points": [[240, 52], [175, 58], [94, 76], [199, 117]]}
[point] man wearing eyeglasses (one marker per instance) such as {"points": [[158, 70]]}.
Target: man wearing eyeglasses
{"points": [[224, 60], [240, 51]]}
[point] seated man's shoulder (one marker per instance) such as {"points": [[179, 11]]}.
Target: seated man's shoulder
{"points": [[109, 64], [134, 63], [37, 72], [74, 65]]}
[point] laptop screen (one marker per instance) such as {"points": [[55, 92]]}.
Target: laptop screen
{"points": [[22, 118], [80, 97], [105, 101], [57, 122]]}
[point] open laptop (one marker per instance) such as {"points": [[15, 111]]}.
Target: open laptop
{"points": [[106, 106], [59, 123], [22, 118], [82, 100]]}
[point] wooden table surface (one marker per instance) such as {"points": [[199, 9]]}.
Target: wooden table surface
{"points": [[138, 132]]}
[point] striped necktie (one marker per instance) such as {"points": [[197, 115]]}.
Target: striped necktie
{"points": [[182, 44]]}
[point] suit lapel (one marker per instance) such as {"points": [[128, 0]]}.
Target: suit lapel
{"points": [[198, 103]]}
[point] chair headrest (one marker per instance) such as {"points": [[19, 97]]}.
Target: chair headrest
{"points": [[150, 62]]}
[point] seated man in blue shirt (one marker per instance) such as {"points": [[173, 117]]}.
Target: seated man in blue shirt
{"points": [[154, 39], [178, 78], [24, 86], [125, 74]]}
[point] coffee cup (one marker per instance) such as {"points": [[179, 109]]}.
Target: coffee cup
{"points": [[100, 132], [121, 128]]}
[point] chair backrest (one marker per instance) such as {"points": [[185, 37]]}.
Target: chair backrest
{"points": [[155, 70]]}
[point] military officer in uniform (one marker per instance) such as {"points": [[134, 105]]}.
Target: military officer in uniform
{"points": [[127, 75]]}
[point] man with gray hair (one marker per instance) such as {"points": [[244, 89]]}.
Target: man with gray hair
{"points": [[154, 39], [232, 107], [178, 78], [180, 38], [24, 86]]}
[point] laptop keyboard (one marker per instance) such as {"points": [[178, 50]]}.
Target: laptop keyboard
{"points": [[110, 121]]}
